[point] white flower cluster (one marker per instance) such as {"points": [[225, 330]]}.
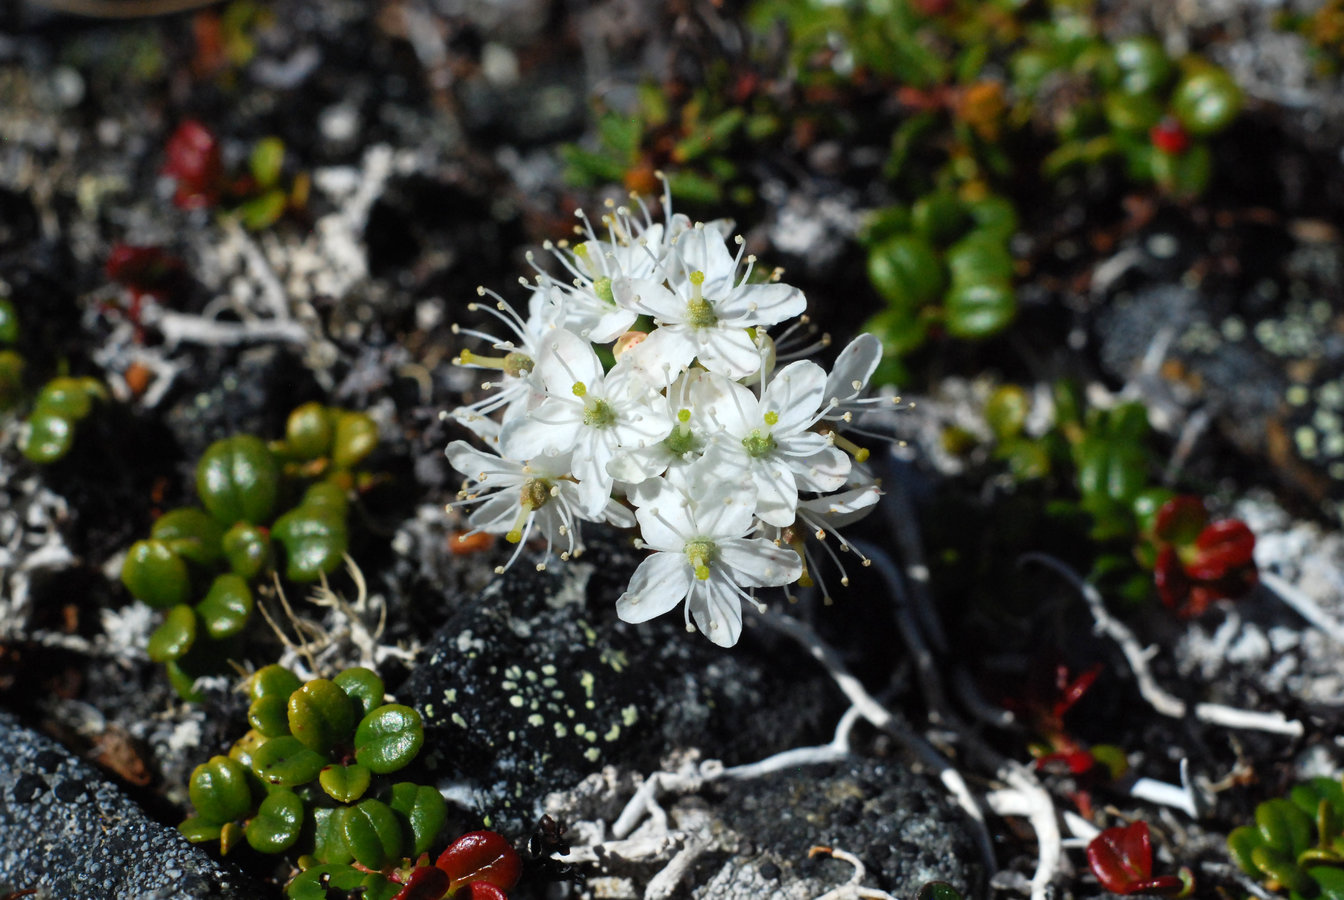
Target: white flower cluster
{"points": [[728, 455]]}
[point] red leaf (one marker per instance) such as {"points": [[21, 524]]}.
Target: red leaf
{"points": [[1173, 587], [193, 158], [1169, 137], [425, 883], [481, 856], [481, 890], [1122, 857], [1070, 692], [1223, 546]]}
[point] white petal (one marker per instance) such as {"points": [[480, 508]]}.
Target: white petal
{"points": [[716, 609], [638, 464], [658, 585], [703, 250], [615, 513], [553, 427], [757, 562], [476, 464], [727, 350], [567, 360], [826, 470], [856, 363], [495, 515], [725, 508], [662, 356], [761, 304], [776, 492], [731, 407], [794, 394], [650, 298], [665, 524]]}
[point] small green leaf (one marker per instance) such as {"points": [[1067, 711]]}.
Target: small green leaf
{"points": [[328, 840], [237, 479], [198, 830], [226, 607], [423, 813], [994, 216], [363, 686], [155, 575], [190, 533], [174, 636], [313, 884], [219, 790], [272, 681], [979, 310], [1143, 65], [1283, 869], [1006, 411], [372, 833], [906, 271], [247, 548], [47, 437], [266, 160], [68, 398], [243, 748], [269, 716], [276, 825], [1206, 101], [9, 322], [321, 715], [979, 258], [286, 762], [315, 538], [1284, 827], [356, 437], [1330, 879], [1132, 112], [263, 211], [308, 431], [939, 217], [345, 784], [388, 738], [1240, 843]]}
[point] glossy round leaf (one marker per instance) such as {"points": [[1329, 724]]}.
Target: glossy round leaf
{"points": [[269, 716], [313, 884], [247, 548], [190, 532], [219, 790], [1206, 101], [276, 825], [345, 784], [68, 398], [272, 681], [286, 762], [979, 310], [481, 856], [979, 258], [356, 437], [243, 748], [994, 216], [1283, 826], [321, 715], [315, 540], [1143, 65], [175, 635], [198, 830], [901, 331], [423, 811], [226, 607], [183, 681], [1182, 175], [237, 479], [372, 833], [388, 738], [155, 575], [308, 431], [328, 840], [906, 271], [939, 217], [363, 686], [1135, 113], [47, 437]]}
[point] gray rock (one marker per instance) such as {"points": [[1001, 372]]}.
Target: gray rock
{"points": [[74, 836]]}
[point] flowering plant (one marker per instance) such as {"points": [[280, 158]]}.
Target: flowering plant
{"points": [[723, 441]]}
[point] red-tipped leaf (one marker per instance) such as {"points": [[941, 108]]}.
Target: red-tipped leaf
{"points": [[480, 856]]}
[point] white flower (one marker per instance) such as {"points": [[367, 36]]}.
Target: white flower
{"points": [[518, 385], [683, 446], [705, 310], [594, 415], [771, 438], [703, 557], [821, 517], [517, 498]]}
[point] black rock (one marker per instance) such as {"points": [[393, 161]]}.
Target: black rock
{"points": [[534, 684], [66, 831]]}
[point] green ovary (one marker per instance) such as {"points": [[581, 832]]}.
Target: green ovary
{"points": [[758, 445], [602, 287], [598, 414], [516, 364], [701, 554], [680, 442]]}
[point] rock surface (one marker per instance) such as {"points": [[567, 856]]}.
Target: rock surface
{"points": [[71, 834]]}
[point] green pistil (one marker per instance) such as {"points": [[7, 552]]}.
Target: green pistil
{"points": [[598, 414], [758, 445], [681, 441], [517, 363], [602, 287], [699, 311], [701, 554], [535, 494]]}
